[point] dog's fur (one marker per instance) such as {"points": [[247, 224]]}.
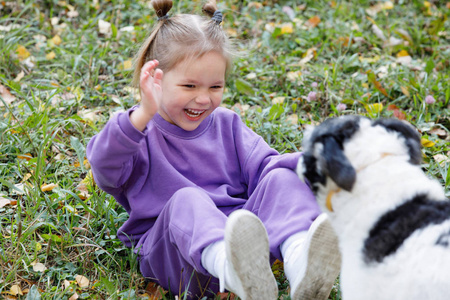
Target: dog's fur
{"points": [[392, 221]]}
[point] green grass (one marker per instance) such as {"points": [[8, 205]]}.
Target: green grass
{"points": [[61, 102]]}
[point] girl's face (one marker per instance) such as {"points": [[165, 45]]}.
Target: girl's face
{"points": [[192, 90]]}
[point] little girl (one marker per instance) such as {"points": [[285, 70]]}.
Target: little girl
{"points": [[210, 204]]}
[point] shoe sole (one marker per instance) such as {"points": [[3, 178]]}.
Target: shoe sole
{"points": [[247, 246], [324, 263]]}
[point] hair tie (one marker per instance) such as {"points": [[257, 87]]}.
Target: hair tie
{"points": [[217, 16], [165, 17]]}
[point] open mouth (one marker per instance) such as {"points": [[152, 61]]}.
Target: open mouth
{"points": [[194, 114]]}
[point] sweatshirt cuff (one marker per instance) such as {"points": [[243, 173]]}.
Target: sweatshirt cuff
{"points": [[127, 127]]}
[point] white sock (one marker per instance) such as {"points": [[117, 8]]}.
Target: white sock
{"points": [[291, 249], [214, 260]]}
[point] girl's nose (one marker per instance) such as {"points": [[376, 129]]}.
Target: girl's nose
{"points": [[202, 98]]}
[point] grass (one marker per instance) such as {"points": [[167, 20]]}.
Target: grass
{"points": [[62, 78]]}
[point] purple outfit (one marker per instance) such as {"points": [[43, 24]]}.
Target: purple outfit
{"points": [[179, 186]]}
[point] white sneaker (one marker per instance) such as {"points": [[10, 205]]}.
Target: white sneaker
{"points": [[247, 250], [318, 263]]}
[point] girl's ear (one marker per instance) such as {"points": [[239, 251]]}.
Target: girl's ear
{"points": [[336, 164]]}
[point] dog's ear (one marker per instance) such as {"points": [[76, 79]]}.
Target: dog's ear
{"points": [[337, 165], [407, 131]]}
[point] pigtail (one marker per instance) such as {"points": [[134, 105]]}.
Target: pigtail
{"points": [[162, 8], [210, 9]]}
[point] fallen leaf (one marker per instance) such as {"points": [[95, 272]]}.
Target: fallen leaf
{"points": [[403, 53], [293, 119], [22, 53], [439, 132], [74, 296], [72, 14], [378, 32], [405, 91], [50, 55], [277, 100], [7, 97], [287, 28], [397, 112], [48, 187], [89, 115], [82, 281], [39, 267], [126, 65], [293, 76], [19, 76], [308, 56], [104, 27], [26, 156], [372, 78], [4, 201], [15, 290], [313, 22], [56, 40], [427, 143]]}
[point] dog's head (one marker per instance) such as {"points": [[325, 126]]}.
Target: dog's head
{"points": [[339, 147]]}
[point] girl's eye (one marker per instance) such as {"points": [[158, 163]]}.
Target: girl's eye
{"points": [[189, 86], [216, 87]]}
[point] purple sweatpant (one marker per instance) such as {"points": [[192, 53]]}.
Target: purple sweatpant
{"points": [[171, 252]]}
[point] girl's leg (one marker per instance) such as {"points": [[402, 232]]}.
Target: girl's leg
{"points": [[171, 253], [311, 256], [284, 204]]}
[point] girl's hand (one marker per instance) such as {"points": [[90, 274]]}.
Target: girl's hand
{"points": [[151, 95]]}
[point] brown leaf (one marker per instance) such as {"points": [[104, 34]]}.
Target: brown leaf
{"points": [[6, 95], [439, 132], [313, 22]]}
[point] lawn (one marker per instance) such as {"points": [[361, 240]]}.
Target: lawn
{"points": [[65, 68]]}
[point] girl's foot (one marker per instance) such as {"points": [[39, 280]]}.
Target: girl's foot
{"points": [[317, 264], [247, 251]]}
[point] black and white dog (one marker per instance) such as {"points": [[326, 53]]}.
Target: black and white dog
{"points": [[392, 221]]}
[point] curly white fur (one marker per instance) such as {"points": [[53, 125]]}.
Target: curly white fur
{"points": [[385, 179]]}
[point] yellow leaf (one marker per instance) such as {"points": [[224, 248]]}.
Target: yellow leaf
{"points": [[287, 28], [370, 60], [426, 143], [375, 108], [50, 55], [126, 65], [405, 91], [48, 187], [38, 247], [403, 53], [16, 290], [82, 281], [56, 40], [26, 177], [426, 4], [22, 52]]}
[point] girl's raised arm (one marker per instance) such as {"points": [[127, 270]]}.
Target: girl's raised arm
{"points": [[151, 92]]}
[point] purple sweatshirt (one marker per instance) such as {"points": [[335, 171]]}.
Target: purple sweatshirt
{"points": [[142, 170]]}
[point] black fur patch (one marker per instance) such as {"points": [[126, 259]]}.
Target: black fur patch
{"points": [[393, 228], [340, 130]]}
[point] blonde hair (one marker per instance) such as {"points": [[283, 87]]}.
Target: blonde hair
{"points": [[182, 36]]}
